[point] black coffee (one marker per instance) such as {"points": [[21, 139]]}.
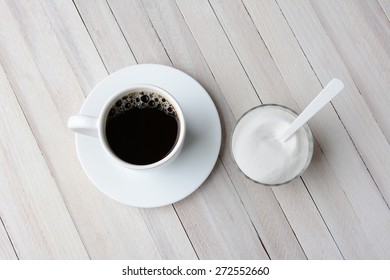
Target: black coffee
{"points": [[142, 128]]}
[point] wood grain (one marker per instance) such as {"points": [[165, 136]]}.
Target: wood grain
{"points": [[364, 47], [143, 42], [368, 138], [105, 34], [268, 82], [75, 42], [359, 117], [232, 82], [244, 53], [276, 234], [214, 202], [172, 233], [6, 249], [340, 152], [107, 229], [163, 224], [31, 205], [385, 6]]}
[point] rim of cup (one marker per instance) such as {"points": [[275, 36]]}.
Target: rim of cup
{"points": [[102, 121]]}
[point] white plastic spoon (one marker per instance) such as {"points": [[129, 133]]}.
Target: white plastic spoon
{"points": [[330, 91]]}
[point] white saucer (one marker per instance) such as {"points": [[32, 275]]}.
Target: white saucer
{"points": [[166, 184]]}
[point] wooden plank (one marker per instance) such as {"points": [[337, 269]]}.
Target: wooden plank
{"points": [[42, 77], [385, 5], [349, 215], [105, 33], [214, 217], [232, 82], [268, 81], [217, 223], [75, 42], [362, 193], [7, 251], [163, 224], [291, 210], [50, 70], [355, 113], [358, 117], [271, 225], [360, 32], [143, 42], [168, 233], [31, 205]]}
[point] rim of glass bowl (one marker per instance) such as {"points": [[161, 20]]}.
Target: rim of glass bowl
{"points": [[308, 133]]}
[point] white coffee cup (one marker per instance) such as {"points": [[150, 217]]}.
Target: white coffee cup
{"points": [[96, 126]]}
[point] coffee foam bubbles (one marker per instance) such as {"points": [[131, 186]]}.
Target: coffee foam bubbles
{"points": [[141, 100]]}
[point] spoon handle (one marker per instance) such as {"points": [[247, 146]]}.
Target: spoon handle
{"points": [[330, 91]]}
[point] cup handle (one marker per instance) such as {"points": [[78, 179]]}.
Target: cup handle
{"points": [[86, 125]]}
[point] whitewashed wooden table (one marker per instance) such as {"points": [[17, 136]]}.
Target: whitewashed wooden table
{"points": [[52, 53]]}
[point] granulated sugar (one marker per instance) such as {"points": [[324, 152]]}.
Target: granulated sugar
{"points": [[259, 153]]}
